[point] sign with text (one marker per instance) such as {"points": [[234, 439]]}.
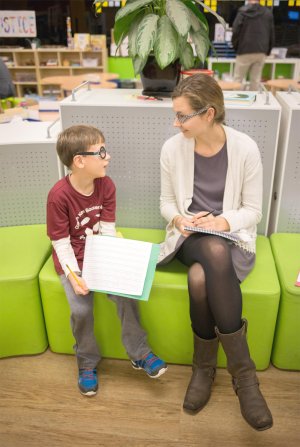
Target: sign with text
{"points": [[17, 24]]}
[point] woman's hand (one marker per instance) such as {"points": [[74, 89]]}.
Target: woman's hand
{"points": [[180, 222], [78, 289], [210, 222]]}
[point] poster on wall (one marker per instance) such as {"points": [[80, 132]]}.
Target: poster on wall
{"points": [[17, 24]]}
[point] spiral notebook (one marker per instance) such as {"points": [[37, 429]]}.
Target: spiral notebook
{"points": [[231, 236]]}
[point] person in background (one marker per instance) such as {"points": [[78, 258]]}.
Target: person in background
{"points": [[81, 204], [7, 87], [211, 177], [252, 38]]}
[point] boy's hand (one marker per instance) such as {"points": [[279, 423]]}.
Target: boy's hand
{"points": [[81, 288]]}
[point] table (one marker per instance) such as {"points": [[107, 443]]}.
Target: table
{"points": [[67, 83], [281, 84], [74, 81], [230, 85]]}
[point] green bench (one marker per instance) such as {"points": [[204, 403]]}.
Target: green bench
{"points": [[166, 315], [286, 348], [23, 252]]}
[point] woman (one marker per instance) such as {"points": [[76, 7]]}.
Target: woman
{"points": [[6, 85], [211, 177]]}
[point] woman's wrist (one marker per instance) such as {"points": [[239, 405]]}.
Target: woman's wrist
{"points": [[176, 220], [223, 224]]}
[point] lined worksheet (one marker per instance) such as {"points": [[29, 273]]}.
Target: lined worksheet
{"points": [[115, 265]]}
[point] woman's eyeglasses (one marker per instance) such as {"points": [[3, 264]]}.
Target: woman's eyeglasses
{"points": [[101, 153], [183, 118]]}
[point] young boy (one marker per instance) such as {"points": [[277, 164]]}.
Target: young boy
{"points": [[83, 203]]}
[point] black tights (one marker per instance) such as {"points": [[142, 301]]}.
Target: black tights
{"points": [[214, 289]]}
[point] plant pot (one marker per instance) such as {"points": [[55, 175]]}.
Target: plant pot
{"points": [[158, 82]]}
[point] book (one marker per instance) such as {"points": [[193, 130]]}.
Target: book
{"points": [[235, 237], [81, 41], [118, 266], [48, 105], [239, 98], [98, 41]]}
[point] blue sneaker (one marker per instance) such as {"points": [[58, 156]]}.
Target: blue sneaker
{"points": [[88, 381], [152, 364]]}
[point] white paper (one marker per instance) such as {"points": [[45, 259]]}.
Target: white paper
{"points": [[116, 265]]}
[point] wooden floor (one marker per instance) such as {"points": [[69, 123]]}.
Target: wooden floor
{"points": [[41, 406]]}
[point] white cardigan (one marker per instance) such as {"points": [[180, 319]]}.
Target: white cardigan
{"points": [[242, 201]]}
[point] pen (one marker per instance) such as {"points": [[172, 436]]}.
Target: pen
{"points": [[74, 276], [205, 215]]}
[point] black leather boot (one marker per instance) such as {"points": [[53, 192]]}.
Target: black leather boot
{"points": [[204, 370], [244, 380]]}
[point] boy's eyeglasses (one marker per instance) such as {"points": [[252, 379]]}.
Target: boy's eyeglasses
{"points": [[100, 153], [183, 118]]}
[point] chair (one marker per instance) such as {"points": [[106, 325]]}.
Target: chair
{"points": [[286, 348], [23, 251]]}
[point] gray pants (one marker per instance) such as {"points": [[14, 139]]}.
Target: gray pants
{"points": [[82, 325], [252, 63]]}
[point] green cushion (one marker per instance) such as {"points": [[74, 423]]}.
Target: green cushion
{"points": [[23, 251], [166, 315], [286, 349]]}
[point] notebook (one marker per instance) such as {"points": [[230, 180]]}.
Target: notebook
{"points": [[235, 237], [244, 98], [118, 266]]}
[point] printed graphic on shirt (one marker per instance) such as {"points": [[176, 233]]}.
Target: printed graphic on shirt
{"points": [[88, 221]]}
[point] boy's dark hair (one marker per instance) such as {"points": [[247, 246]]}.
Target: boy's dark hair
{"points": [[76, 139]]}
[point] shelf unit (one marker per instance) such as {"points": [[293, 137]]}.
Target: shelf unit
{"points": [[273, 68], [29, 67]]}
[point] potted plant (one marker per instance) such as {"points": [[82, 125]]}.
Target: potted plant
{"points": [[160, 34]]}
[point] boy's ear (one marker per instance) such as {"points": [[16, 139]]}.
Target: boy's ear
{"points": [[78, 162]]}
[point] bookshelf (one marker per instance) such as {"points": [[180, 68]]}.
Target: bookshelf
{"points": [[28, 67], [273, 68]]}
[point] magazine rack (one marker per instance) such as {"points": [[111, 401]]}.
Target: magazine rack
{"points": [[29, 167], [285, 210]]}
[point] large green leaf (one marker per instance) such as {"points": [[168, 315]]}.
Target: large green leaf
{"points": [[178, 13], [220, 19], [130, 7], [202, 44], [189, 4], [196, 24], [146, 35], [166, 43], [181, 41], [138, 64], [122, 26], [187, 57], [132, 35]]}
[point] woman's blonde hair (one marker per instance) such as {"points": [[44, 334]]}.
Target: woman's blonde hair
{"points": [[201, 91]]}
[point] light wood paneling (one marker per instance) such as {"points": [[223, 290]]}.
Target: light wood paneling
{"points": [[41, 406]]}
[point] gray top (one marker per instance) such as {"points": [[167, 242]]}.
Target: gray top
{"points": [[6, 85], [209, 184]]}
